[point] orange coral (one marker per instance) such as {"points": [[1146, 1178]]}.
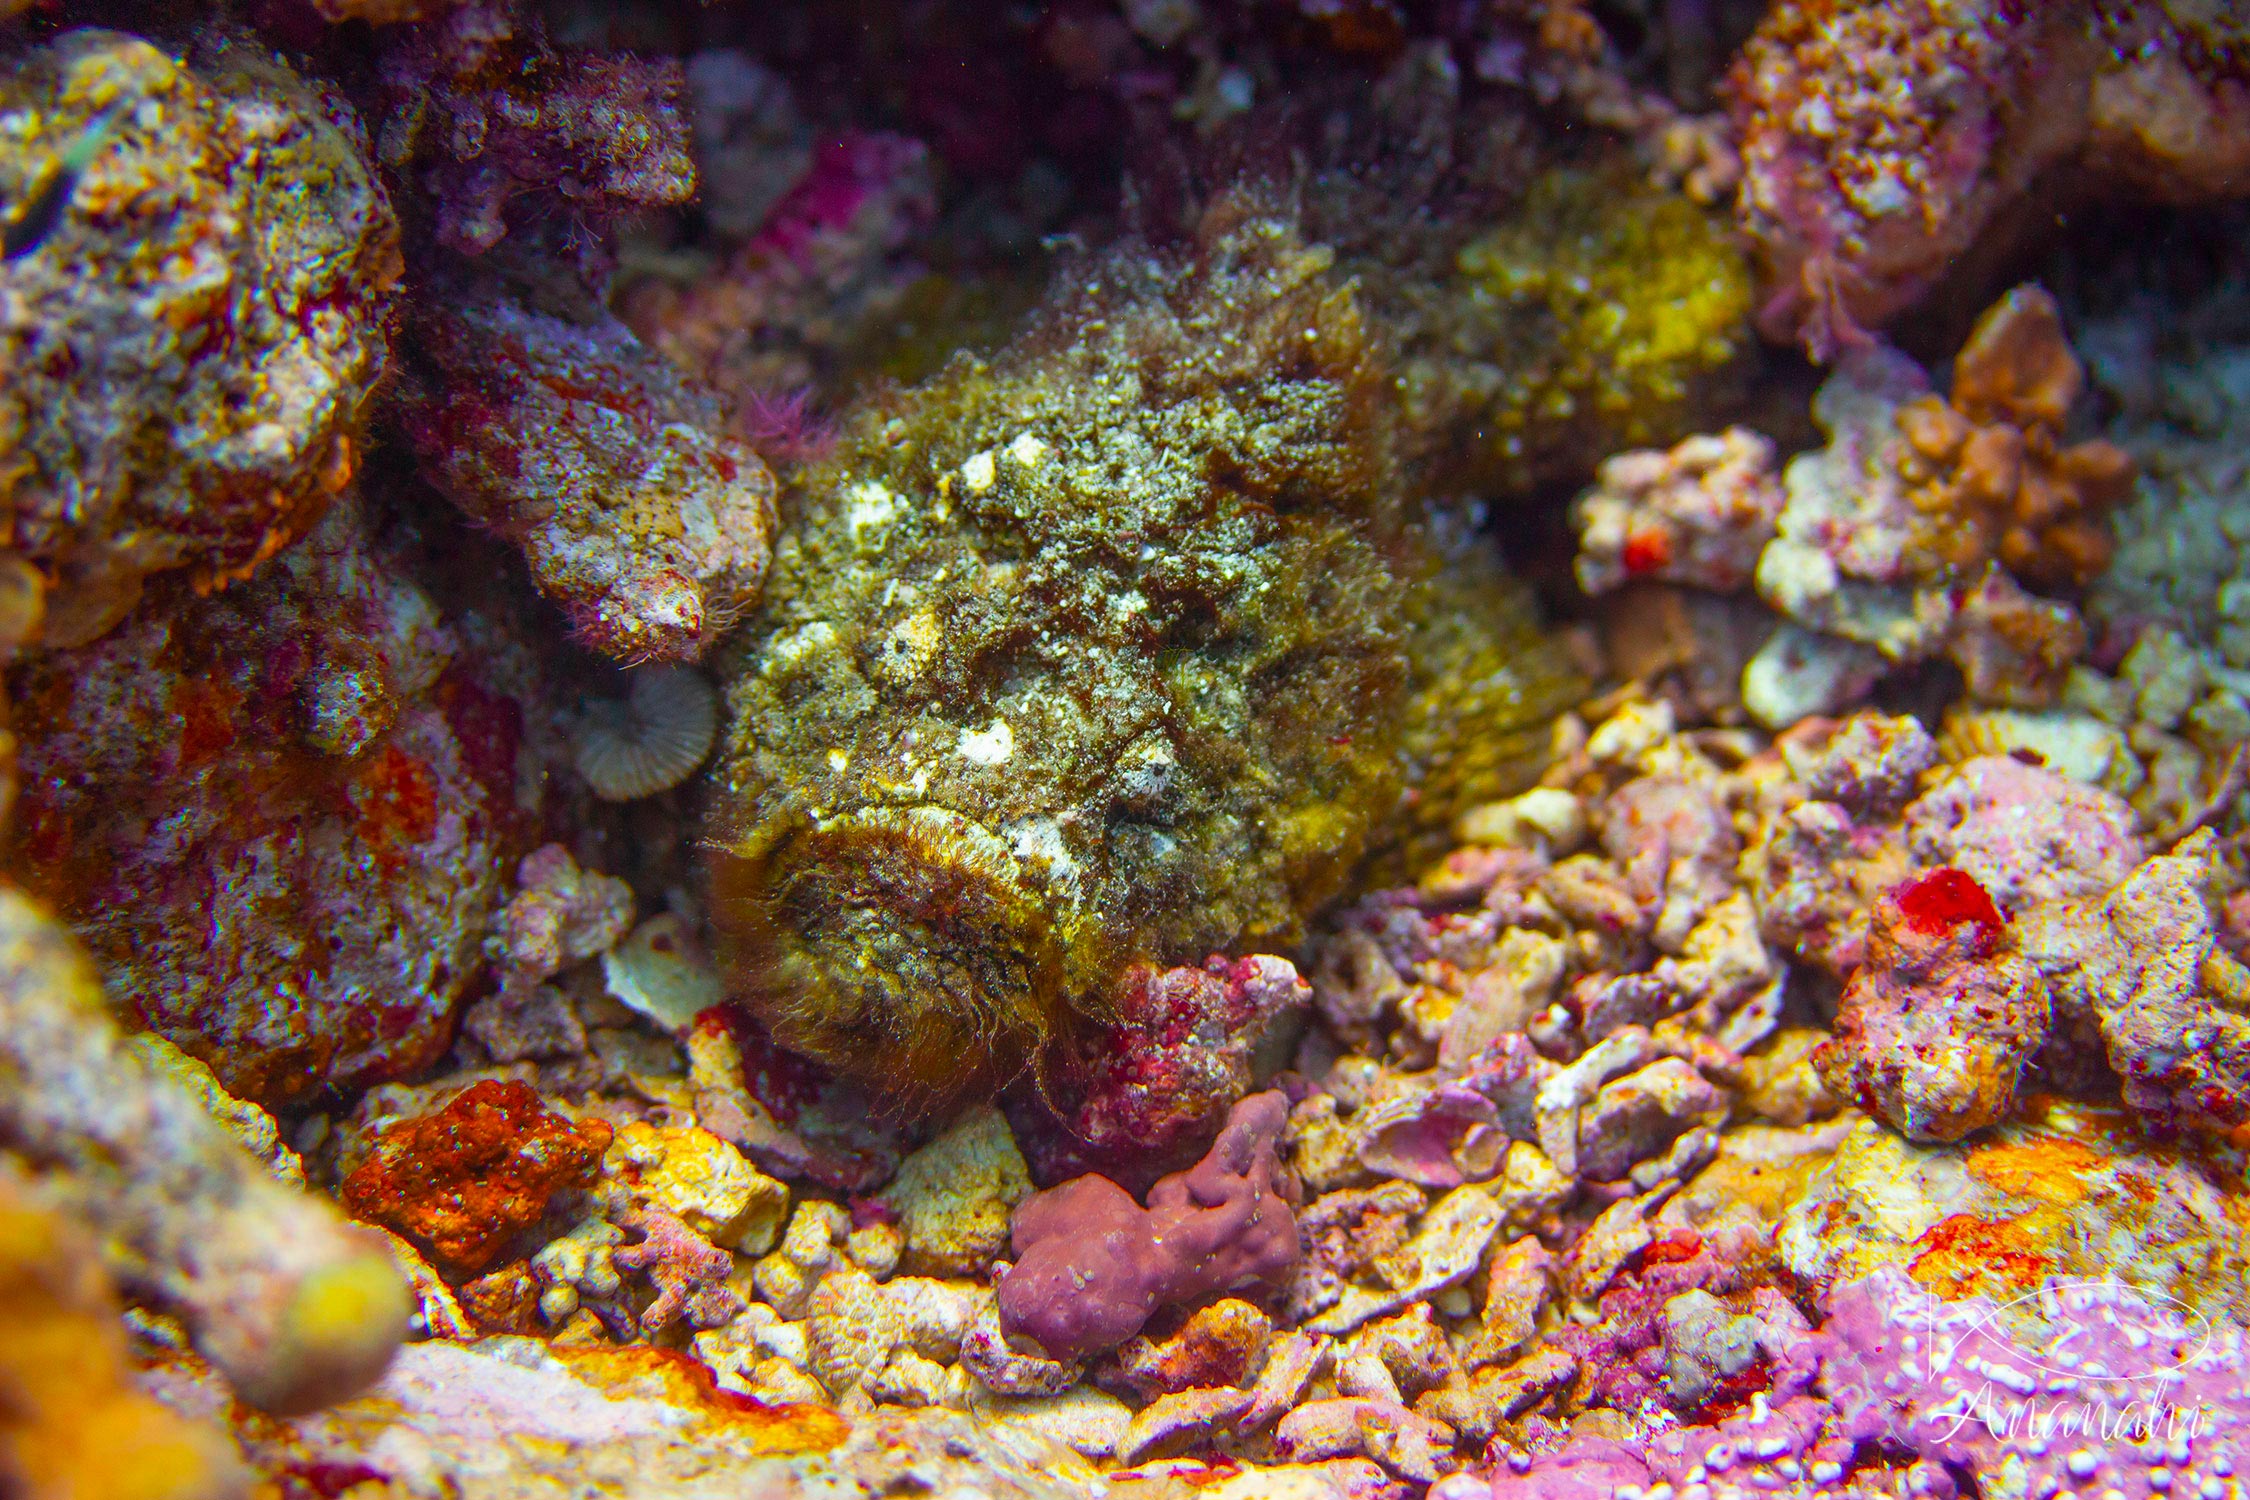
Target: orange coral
{"points": [[2052, 1168], [1988, 470], [1963, 1255], [465, 1180]]}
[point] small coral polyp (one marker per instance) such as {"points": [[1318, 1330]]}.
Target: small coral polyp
{"points": [[1124, 645]]}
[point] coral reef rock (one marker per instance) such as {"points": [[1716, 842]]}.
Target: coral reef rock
{"points": [[189, 348], [635, 511], [1885, 141], [281, 816]]}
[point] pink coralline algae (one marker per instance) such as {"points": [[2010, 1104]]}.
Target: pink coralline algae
{"points": [[500, 130], [1628, 1352], [280, 816], [1675, 843], [559, 916], [636, 513], [1827, 857], [2136, 1399], [1936, 1028], [687, 1270], [1697, 514], [1093, 1266], [1152, 1087]]}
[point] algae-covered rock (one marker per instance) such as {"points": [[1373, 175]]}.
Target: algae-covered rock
{"points": [[1602, 314], [198, 273], [1124, 644]]}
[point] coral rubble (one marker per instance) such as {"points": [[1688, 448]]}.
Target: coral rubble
{"points": [[1922, 528]]}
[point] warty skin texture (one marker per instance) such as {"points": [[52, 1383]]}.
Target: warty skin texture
{"points": [[1124, 645]]}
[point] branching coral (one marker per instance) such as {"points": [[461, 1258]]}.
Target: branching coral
{"points": [[188, 348], [1116, 648]]}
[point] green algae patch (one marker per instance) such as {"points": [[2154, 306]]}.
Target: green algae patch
{"points": [[1602, 314]]}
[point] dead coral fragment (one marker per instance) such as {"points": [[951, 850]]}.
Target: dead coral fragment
{"points": [[589, 451], [295, 1307], [2143, 967], [1906, 535], [653, 740], [463, 1181], [1119, 648], [75, 1428], [189, 348], [1698, 514], [1937, 1027], [560, 915], [1092, 1265], [1885, 140]]}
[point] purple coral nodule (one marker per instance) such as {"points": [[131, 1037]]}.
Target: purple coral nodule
{"points": [[1093, 1266]]}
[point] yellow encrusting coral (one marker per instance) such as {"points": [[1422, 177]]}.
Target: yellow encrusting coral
{"points": [[1604, 313]]}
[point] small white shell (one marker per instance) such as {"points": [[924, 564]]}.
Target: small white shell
{"points": [[660, 972], [651, 742]]}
